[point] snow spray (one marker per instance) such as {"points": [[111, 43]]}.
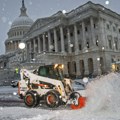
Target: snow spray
{"points": [[103, 94]]}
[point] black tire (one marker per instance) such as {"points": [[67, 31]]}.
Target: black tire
{"points": [[52, 99], [37, 98], [31, 99]]}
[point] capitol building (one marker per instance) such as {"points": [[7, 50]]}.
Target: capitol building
{"points": [[86, 40]]}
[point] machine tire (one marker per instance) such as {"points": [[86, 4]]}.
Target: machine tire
{"points": [[37, 98], [52, 99], [31, 99]]}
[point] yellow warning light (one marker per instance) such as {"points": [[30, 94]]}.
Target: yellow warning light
{"points": [[113, 67], [62, 66], [55, 65]]}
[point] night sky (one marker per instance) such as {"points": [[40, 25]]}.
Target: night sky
{"points": [[10, 10]]}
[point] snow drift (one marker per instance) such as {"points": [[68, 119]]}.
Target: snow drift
{"points": [[103, 94]]}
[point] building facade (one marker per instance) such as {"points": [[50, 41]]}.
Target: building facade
{"points": [[86, 40]]}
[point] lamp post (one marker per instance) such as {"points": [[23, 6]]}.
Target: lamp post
{"points": [[71, 45], [103, 48], [107, 2], [99, 69], [51, 47], [22, 47]]}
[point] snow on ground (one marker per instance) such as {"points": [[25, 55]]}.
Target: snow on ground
{"points": [[103, 103], [7, 90]]}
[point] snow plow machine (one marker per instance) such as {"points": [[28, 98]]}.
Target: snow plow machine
{"points": [[48, 84]]}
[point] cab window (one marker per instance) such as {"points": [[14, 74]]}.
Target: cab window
{"points": [[43, 71]]}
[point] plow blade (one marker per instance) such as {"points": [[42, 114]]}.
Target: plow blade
{"points": [[81, 103]]}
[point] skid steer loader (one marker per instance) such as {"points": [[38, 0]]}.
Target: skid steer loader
{"points": [[48, 84]]}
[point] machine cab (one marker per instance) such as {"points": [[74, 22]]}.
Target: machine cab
{"points": [[51, 71]]}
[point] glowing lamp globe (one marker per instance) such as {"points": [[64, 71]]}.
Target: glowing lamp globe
{"points": [[22, 45], [51, 47], [107, 2], [71, 45], [85, 79], [64, 11], [98, 59]]}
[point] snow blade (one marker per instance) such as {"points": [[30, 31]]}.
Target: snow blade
{"points": [[81, 103]]}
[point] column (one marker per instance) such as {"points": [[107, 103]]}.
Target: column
{"points": [[86, 66], [112, 36], [8, 47], [70, 68], [30, 49], [34, 47], [62, 39], [105, 33], [96, 64], [44, 47], [69, 40], [101, 37], [83, 35], [102, 32], [65, 68], [55, 41], [93, 41], [118, 38], [49, 42], [12, 46], [78, 68], [15, 45], [39, 44], [76, 39]]}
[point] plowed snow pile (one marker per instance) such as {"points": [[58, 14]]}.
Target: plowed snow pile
{"points": [[104, 93]]}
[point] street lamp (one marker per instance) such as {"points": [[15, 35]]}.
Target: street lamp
{"points": [[22, 47], [64, 11], [99, 70], [103, 48], [107, 2], [51, 47], [71, 45], [98, 59]]}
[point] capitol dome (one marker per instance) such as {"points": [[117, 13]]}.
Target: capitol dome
{"points": [[23, 19], [19, 28]]}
